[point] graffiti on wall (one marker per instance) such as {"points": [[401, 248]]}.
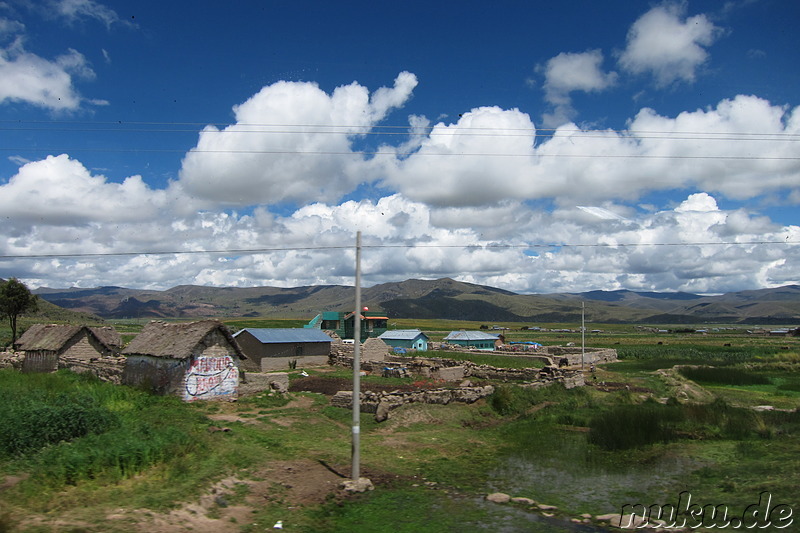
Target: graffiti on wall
{"points": [[211, 377]]}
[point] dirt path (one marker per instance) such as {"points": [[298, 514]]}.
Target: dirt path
{"points": [[292, 484], [301, 402]]}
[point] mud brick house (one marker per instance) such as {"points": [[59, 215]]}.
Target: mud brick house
{"points": [[409, 339], [193, 360], [276, 348], [48, 347]]}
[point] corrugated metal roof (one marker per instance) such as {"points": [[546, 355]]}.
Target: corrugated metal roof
{"points": [[285, 335], [470, 336], [402, 334]]}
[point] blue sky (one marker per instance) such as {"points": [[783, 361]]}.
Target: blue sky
{"points": [[532, 146]]}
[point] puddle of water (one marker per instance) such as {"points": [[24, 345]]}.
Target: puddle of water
{"points": [[507, 519]]}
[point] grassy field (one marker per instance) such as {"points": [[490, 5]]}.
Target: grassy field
{"points": [[80, 455]]}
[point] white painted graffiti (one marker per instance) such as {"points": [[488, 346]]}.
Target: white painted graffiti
{"points": [[209, 377]]}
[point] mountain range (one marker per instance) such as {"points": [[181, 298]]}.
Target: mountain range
{"points": [[442, 298]]}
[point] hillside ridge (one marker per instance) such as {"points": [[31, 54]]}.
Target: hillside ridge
{"points": [[441, 298]]}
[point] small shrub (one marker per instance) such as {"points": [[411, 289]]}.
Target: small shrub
{"points": [[507, 400], [514, 400]]}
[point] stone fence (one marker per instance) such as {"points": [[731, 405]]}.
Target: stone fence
{"points": [[108, 368], [574, 355], [451, 370], [381, 403], [11, 360]]}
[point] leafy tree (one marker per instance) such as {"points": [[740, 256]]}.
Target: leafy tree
{"points": [[15, 300]]}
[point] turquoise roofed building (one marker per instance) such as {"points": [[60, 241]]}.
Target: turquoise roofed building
{"points": [[478, 340], [410, 339]]}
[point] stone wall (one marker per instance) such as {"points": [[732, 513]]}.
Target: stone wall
{"points": [[106, 368], [438, 368], [372, 349], [556, 355], [11, 360], [391, 400], [591, 356]]}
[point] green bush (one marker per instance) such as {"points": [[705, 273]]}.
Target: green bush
{"points": [[515, 400], [30, 423], [507, 400]]}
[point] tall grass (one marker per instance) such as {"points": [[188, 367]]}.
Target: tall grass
{"points": [[629, 426], [30, 424], [512, 400], [621, 427], [43, 409], [718, 355], [69, 427], [723, 376]]}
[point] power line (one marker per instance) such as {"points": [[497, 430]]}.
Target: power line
{"points": [[388, 129], [249, 251], [460, 132], [356, 130], [406, 154]]}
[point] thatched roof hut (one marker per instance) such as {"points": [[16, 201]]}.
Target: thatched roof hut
{"points": [[47, 345], [194, 360]]}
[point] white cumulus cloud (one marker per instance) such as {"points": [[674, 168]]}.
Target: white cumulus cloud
{"points": [[60, 191], [666, 44], [742, 148], [568, 72], [291, 142], [27, 77]]}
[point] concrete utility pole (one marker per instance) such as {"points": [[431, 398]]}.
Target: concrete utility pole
{"points": [[583, 333], [357, 368], [356, 483]]}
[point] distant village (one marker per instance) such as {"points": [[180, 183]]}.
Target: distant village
{"points": [[204, 359]]}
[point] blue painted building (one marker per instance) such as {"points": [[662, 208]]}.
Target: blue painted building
{"points": [[473, 339], [410, 339]]}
